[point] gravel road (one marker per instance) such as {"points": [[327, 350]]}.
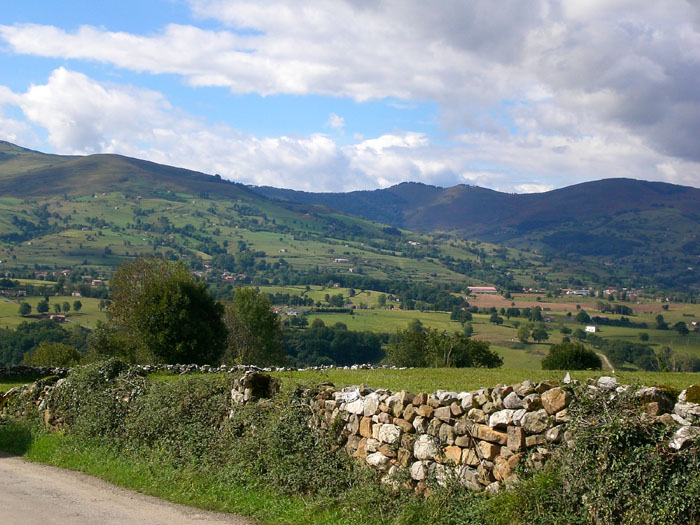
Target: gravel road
{"points": [[31, 494]]}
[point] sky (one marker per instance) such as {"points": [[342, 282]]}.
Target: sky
{"points": [[518, 96]]}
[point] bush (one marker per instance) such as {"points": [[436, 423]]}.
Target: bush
{"points": [[571, 356]]}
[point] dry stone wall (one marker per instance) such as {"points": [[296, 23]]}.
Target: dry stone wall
{"points": [[478, 437]]}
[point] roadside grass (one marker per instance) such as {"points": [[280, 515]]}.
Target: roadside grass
{"points": [[184, 485]]}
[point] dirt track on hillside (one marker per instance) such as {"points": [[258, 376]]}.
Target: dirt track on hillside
{"points": [[34, 494]]}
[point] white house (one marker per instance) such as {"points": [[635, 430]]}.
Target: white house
{"points": [[592, 329]]}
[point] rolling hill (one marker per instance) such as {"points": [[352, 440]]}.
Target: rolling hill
{"points": [[97, 210], [649, 228]]}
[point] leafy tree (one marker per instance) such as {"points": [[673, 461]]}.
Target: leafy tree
{"points": [[681, 328], [77, 305], [496, 319], [65, 306], [25, 309], [661, 323], [408, 348], [579, 334], [523, 333], [57, 308], [42, 307], [565, 330], [468, 330], [52, 354], [643, 336], [381, 300], [582, 317], [540, 334], [254, 330], [162, 311], [571, 356]]}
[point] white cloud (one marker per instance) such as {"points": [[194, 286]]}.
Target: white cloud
{"points": [[574, 69], [336, 122], [82, 115]]}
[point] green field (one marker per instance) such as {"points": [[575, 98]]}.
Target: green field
{"points": [[88, 315]]}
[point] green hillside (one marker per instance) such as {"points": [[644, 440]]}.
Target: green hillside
{"points": [[645, 231]]}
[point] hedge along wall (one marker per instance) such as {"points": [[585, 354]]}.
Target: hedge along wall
{"points": [[479, 437]]}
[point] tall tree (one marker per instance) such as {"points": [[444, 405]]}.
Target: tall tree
{"points": [[254, 330], [159, 307]]}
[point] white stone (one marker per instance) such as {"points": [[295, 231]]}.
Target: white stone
{"points": [[501, 419], [377, 459], [419, 470], [389, 433], [371, 404], [512, 401], [518, 416], [425, 447], [683, 435], [356, 407], [607, 383]]}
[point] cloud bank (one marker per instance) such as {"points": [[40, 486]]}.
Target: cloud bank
{"points": [[531, 95]]}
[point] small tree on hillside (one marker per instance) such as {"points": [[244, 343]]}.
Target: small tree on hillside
{"points": [[52, 354], [77, 305], [571, 356], [540, 334], [254, 330], [160, 309], [42, 307], [523, 333], [25, 309]]}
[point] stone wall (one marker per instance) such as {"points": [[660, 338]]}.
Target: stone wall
{"points": [[479, 437]]}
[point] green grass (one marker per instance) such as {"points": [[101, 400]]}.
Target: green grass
{"points": [[466, 379], [88, 315], [186, 486]]}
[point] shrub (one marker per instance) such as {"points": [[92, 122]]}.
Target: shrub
{"points": [[571, 356]]}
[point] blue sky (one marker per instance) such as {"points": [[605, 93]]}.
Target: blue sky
{"points": [[337, 95]]}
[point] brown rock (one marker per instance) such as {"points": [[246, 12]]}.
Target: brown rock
{"points": [[461, 427], [405, 457], [361, 451], [515, 438], [443, 413], [385, 418], [456, 409], [562, 416], [489, 450], [463, 441], [503, 468], [404, 425], [486, 433], [425, 411], [420, 399], [453, 453], [544, 386], [433, 402], [535, 440], [408, 441], [556, 399], [352, 444], [484, 475], [470, 457], [409, 412], [387, 451], [366, 427]]}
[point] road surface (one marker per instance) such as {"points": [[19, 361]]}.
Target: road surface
{"points": [[35, 494]]}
